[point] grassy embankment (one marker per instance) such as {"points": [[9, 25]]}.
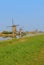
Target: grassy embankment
{"points": [[24, 51]]}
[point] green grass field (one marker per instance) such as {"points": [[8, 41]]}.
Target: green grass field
{"points": [[24, 51]]}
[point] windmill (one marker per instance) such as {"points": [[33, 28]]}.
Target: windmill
{"points": [[21, 31], [13, 28]]}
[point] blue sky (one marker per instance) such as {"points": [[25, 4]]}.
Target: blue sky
{"points": [[27, 13]]}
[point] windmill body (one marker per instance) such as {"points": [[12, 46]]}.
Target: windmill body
{"points": [[13, 28]]}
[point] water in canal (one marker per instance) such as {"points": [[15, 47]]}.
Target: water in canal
{"points": [[1, 38]]}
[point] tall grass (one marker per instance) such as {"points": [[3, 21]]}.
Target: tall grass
{"points": [[24, 51]]}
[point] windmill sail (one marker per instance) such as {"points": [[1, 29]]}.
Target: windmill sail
{"points": [[12, 22]]}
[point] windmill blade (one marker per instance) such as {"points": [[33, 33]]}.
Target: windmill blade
{"points": [[22, 27], [12, 26], [8, 26], [12, 22], [16, 25]]}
